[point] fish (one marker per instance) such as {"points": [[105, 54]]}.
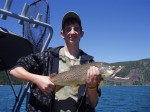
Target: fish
{"points": [[76, 75]]}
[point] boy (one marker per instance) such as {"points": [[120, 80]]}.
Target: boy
{"points": [[36, 69]]}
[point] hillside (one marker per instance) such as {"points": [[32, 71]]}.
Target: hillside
{"points": [[139, 71], [5, 81]]}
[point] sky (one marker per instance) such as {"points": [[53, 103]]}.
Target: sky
{"points": [[114, 30]]}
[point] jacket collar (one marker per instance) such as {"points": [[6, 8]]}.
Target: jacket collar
{"points": [[85, 58]]}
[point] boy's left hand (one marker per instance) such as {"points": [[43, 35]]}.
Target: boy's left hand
{"points": [[93, 77]]}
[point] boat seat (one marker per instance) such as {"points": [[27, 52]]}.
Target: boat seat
{"points": [[12, 47]]}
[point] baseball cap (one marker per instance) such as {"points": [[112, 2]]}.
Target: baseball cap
{"points": [[71, 14]]}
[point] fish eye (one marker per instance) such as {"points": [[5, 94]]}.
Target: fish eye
{"points": [[113, 67]]}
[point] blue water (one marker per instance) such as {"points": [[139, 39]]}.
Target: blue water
{"points": [[124, 99], [113, 99], [7, 99]]}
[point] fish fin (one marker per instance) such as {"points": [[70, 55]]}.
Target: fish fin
{"points": [[75, 88], [75, 66], [57, 88]]}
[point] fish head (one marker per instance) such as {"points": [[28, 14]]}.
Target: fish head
{"points": [[107, 71]]}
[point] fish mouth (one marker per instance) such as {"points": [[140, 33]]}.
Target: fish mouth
{"points": [[117, 69]]}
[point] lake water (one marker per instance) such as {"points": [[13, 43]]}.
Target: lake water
{"points": [[113, 99]]}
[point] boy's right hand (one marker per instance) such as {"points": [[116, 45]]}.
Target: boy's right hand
{"points": [[44, 84]]}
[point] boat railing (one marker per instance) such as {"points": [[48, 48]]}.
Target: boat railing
{"points": [[22, 17]]}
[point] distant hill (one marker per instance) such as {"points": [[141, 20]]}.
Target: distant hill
{"points": [[139, 71], [5, 81]]}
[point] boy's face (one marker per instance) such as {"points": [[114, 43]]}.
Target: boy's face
{"points": [[72, 33]]}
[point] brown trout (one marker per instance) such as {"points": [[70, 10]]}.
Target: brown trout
{"points": [[77, 74]]}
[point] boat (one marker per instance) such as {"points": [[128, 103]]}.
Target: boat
{"points": [[23, 45]]}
